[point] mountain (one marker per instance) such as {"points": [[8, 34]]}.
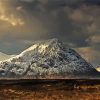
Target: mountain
{"points": [[4, 56], [47, 59]]}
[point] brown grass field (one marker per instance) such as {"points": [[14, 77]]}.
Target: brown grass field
{"points": [[51, 90]]}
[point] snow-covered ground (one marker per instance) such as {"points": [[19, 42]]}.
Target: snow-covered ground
{"points": [[47, 59]]}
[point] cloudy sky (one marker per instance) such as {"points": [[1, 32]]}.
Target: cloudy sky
{"points": [[76, 22]]}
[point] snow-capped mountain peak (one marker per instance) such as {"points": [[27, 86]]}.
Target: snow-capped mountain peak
{"points": [[43, 46], [47, 59]]}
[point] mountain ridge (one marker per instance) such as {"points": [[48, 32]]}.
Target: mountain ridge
{"points": [[47, 59]]}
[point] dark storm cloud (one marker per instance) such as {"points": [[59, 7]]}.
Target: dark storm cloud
{"points": [[53, 18], [93, 2]]}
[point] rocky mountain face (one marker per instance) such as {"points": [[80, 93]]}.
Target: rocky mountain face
{"points": [[49, 59]]}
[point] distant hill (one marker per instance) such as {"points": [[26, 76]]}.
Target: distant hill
{"points": [[4, 56], [98, 69]]}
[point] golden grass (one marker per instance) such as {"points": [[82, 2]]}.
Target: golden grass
{"points": [[60, 91]]}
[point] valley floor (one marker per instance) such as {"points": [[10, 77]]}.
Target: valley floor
{"points": [[51, 90]]}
